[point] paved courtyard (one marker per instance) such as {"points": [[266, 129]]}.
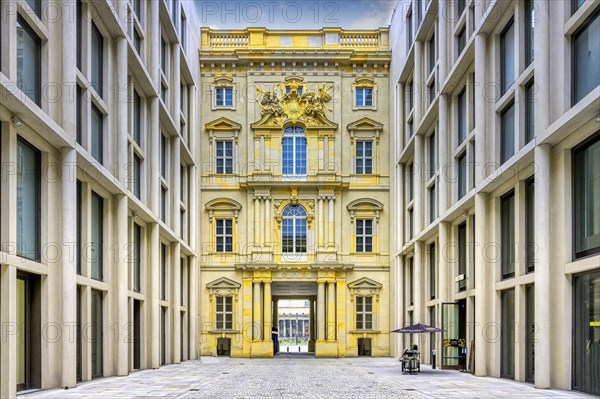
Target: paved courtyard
{"points": [[300, 376]]}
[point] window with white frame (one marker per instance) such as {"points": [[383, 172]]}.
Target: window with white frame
{"points": [[224, 157], [364, 313], [224, 96], [364, 97], [223, 235], [294, 152], [364, 235], [364, 157], [224, 312], [293, 230]]}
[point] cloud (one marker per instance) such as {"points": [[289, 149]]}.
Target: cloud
{"points": [[372, 14]]}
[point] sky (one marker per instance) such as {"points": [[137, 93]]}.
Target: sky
{"points": [[296, 14]]}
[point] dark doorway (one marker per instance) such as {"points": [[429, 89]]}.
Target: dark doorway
{"points": [[29, 360], [97, 335], [137, 334], [223, 347], [530, 333], [364, 347], [79, 341], [454, 317], [507, 328], [586, 333]]}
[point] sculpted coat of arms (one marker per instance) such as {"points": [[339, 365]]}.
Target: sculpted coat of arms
{"points": [[289, 101]]}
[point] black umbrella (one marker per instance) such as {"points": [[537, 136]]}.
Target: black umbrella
{"points": [[417, 329]]}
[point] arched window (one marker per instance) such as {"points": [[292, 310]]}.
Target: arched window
{"points": [[293, 230], [294, 151]]}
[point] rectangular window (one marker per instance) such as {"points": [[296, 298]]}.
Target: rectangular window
{"points": [[409, 130], [97, 145], [79, 114], [183, 28], [529, 112], [224, 312], [163, 55], [462, 175], [507, 235], [223, 235], [224, 96], [182, 279], [137, 42], [79, 226], [163, 203], [97, 326], [364, 157], [575, 4], [79, 28], [409, 29], [163, 272], [432, 203], [432, 155], [507, 56], [29, 50], [410, 281], [586, 197], [410, 224], [462, 256], [530, 225], [507, 127], [462, 116], [431, 91], [529, 31], [137, 176], [28, 200], [96, 79], [364, 313], [36, 6], [461, 41], [586, 58], [432, 270], [431, 53], [409, 97], [364, 97], [460, 7], [137, 9], [137, 118], [224, 157], [97, 241], [163, 92], [411, 182], [137, 242], [364, 235], [163, 156], [507, 334]]}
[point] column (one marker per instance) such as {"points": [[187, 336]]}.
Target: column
{"points": [[445, 171], [256, 221], [176, 84], [311, 326], [8, 345], [444, 234], [175, 308], [268, 240], [418, 184], [418, 82], [542, 273], [331, 311], [268, 317], [121, 272], [480, 108], [154, 125], [481, 278], [321, 217], [331, 214], [320, 311], [176, 165], [69, 267], [122, 112], [256, 312], [261, 226], [192, 311]]}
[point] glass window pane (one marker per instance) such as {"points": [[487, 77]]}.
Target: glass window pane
{"points": [[28, 61], [96, 78], [508, 133], [507, 226], [586, 48], [28, 201], [529, 112], [97, 143], [586, 180], [96, 257], [507, 44]]}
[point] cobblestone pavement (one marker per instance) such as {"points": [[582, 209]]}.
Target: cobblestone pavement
{"points": [[299, 376]]}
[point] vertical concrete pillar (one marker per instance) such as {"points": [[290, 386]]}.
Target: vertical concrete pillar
{"points": [[542, 273], [8, 345], [443, 155], [193, 307], [480, 108], [176, 166], [418, 283], [256, 311], [153, 311], [154, 125], [320, 311], [419, 165], [418, 83], [481, 278], [331, 311], [121, 272], [175, 308], [267, 313], [69, 268]]}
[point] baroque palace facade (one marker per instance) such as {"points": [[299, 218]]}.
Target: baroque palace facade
{"points": [[295, 188]]}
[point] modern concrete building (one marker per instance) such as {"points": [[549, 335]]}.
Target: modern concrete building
{"points": [[98, 193], [295, 187], [495, 110]]}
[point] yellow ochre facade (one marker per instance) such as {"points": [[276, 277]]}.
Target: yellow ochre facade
{"points": [[295, 198]]}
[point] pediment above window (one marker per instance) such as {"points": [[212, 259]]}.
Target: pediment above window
{"points": [[223, 207], [365, 287], [365, 124], [223, 128], [223, 287], [365, 207]]}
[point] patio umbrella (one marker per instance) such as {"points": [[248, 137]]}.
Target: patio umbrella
{"points": [[417, 329]]}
